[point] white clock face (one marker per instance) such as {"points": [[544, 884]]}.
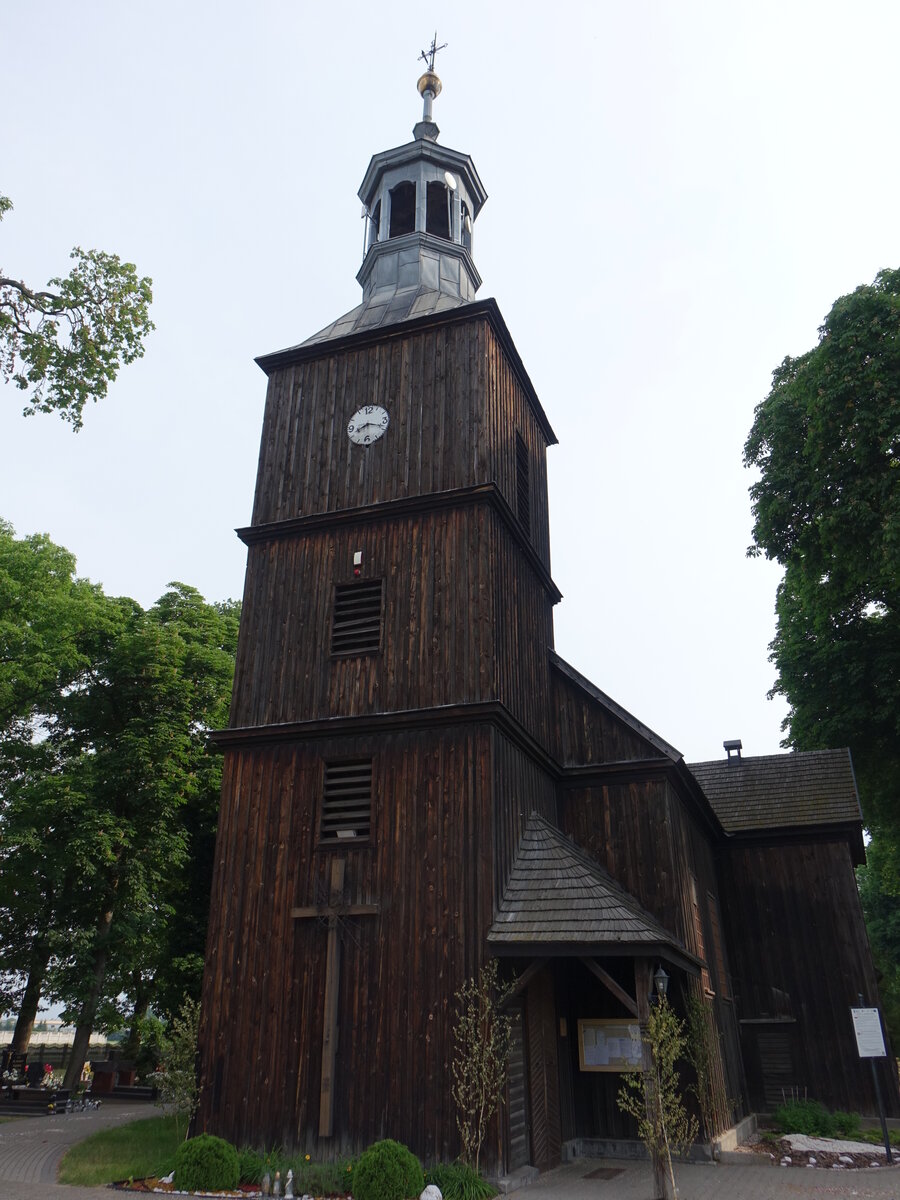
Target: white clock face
{"points": [[368, 424]]}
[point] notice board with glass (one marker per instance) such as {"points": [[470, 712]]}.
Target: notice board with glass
{"points": [[609, 1045]]}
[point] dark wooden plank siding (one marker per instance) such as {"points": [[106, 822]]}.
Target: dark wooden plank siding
{"points": [[518, 1142], [584, 733], [629, 829], [521, 788], [543, 1072], [427, 868], [768, 894], [455, 405], [463, 622], [590, 1108]]}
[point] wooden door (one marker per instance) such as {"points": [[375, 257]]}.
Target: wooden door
{"points": [[518, 1140], [543, 1073]]}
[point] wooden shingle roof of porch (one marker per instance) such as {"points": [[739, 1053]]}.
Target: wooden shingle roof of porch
{"points": [[560, 901]]}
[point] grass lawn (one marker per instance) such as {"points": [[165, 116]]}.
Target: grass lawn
{"points": [[143, 1148]]}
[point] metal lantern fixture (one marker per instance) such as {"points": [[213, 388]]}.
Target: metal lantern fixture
{"points": [[661, 981]]}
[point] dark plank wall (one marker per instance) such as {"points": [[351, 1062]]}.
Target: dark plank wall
{"points": [[520, 788], [455, 405], [631, 831], [428, 868], [438, 639], [465, 622], [584, 733], [769, 892]]}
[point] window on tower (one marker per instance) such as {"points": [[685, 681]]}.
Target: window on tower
{"points": [[346, 801], [437, 210], [357, 617], [403, 209]]}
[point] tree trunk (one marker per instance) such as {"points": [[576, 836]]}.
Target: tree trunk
{"points": [[88, 1011], [132, 1043], [37, 970]]}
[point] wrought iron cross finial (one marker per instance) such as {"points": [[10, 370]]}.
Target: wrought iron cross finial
{"points": [[427, 56]]}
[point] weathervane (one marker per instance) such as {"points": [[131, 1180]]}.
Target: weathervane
{"points": [[427, 56]]}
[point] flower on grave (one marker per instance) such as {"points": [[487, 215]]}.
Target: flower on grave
{"points": [[307, 1158]]}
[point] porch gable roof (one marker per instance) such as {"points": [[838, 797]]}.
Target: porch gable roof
{"points": [[559, 900]]}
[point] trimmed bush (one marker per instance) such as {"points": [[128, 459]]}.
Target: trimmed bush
{"points": [[387, 1171], [847, 1125], [458, 1181], [206, 1164], [804, 1116]]}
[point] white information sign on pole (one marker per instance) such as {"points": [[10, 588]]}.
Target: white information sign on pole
{"points": [[869, 1038]]}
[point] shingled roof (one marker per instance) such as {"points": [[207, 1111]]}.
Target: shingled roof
{"points": [[777, 791], [558, 900]]}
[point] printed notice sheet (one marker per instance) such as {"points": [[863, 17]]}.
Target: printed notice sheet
{"points": [[609, 1045]]}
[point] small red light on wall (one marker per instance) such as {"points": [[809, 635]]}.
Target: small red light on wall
{"points": [[357, 562]]}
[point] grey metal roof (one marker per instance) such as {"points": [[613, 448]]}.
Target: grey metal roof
{"points": [[430, 151], [775, 791], [560, 900], [388, 306]]}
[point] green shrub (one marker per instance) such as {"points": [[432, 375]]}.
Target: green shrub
{"points": [[876, 1137], [846, 1124], [253, 1164], [313, 1179], [321, 1179], [458, 1181], [804, 1116], [387, 1171], [206, 1164]]}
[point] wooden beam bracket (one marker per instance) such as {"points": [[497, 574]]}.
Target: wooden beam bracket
{"points": [[611, 986]]}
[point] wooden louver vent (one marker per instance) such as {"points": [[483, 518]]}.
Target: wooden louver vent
{"points": [[347, 800], [356, 628], [523, 497]]}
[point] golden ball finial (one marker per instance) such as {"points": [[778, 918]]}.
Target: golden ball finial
{"points": [[429, 82]]}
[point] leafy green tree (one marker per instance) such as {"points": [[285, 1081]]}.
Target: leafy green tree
{"points": [[50, 624], [177, 1079], [653, 1097], [139, 730], [108, 792], [882, 912], [65, 344], [826, 506]]}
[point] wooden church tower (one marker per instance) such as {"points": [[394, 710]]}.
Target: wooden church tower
{"points": [[415, 781], [391, 685]]}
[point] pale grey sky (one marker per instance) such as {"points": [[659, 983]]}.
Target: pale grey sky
{"points": [[678, 193]]}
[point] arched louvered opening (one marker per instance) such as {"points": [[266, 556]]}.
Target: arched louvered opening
{"points": [[437, 210], [403, 209]]}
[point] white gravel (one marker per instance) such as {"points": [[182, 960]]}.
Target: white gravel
{"points": [[799, 1141]]}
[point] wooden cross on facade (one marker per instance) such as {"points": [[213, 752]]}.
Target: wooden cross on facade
{"points": [[332, 914]]}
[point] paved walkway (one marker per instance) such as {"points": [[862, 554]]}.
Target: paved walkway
{"points": [[31, 1149], [713, 1182]]}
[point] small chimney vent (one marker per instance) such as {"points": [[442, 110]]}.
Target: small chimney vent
{"points": [[733, 749]]}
